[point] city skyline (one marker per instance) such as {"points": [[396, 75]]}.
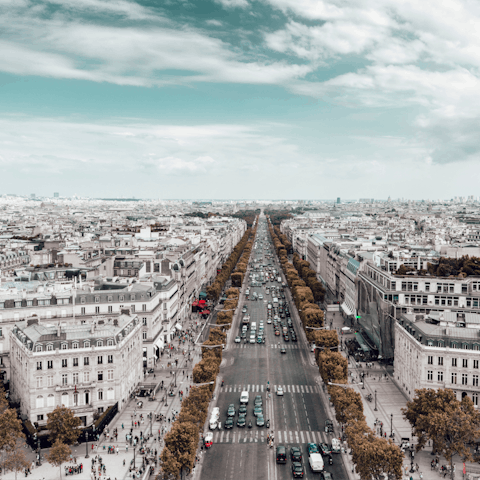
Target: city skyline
{"points": [[239, 99]]}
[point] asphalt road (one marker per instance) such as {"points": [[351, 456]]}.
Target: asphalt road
{"points": [[296, 418]]}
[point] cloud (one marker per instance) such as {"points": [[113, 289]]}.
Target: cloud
{"points": [[233, 3], [172, 164]]}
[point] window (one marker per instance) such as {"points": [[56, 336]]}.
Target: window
{"points": [[74, 345], [475, 380], [75, 362], [64, 346], [121, 298], [440, 360], [75, 399], [39, 365], [110, 309], [65, 399], [430, 360], [39, 418], [454, 378], [144, 320], [39, 348], [82, 311], [49, 348], [99, 343], [97, 309], [64, 362], [100, 376], [132, 297], [144, 307], [427, 286], [39, 402], [51, 400], [86, 360], [475, 399], [110, 359], [97, 299], [110, 394], [454, 362], [86, 377], [440, 376], [110, 343], [39, 382], [133, 308], [75, 378], [475, 364], [465, 363], [49, 364], [144, 335], [50, 382], [110, 298], [86, 344], [64, 379], [430, 375], [454, 345], [109, 374], [464, 379]]}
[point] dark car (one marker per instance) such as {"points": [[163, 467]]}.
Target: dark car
{"points": [[324, 449], [297, 470], [286, 338], [260, 420], [229, 422], [231, 410], [328, 426], [296, 454], [312, 448], [242, 410], [241, 422], [283, 350], [258, 400], [326, 475], [294, 338], [281, 454]]}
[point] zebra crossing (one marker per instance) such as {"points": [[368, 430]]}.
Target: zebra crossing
{"points": [[273, 388], [260, 436], [291, 346]]}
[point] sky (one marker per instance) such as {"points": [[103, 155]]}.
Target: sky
{"points": [[240, 99]]}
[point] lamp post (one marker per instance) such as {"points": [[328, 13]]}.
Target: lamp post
{"points": [[39, 452], [166, 398], [86, 445], [134, 447], [412, 454], [391, 425], [363, 380], [375, 401], [151, 422]]}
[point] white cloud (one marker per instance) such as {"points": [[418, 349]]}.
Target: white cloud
{"points": [[233, 3], [172, 164]]}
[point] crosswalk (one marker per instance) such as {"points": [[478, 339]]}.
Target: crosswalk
{"points": [[291, 346], [273, 388], [260, 436]]}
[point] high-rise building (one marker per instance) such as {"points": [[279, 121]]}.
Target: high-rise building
{"points": [[56, 195], [338, 199], [32, 195]]}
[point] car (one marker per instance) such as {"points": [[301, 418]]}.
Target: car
{"points": [[260, 420], [269, 320], [260, 296], [244, 335], [208, 439], [237, 339], [252, 339], [286, 338], [328, 426], [283, 350], [260, 339], [241, 421], [229, 422], [244, 309], [247, 292], [297, 470], [324, 449], [312, 448], [280, 391], [326, 475], [231, 410], [258, 410], [242, 410], [295, 454], [294, 338], [258, 400], [277, 333]]}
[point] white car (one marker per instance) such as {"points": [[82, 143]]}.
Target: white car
{"points": [[260, 296], [269, 320], [280, 391], [237, 339]]}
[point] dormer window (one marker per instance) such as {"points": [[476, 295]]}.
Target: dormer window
{"points": [[82, 300], [121, 298], [39, 348], [110, 298], [75, 345], [86, 344], [132, 297], [99, 343], [64, 346], [49, 347], [97, 299], [110, 343]]}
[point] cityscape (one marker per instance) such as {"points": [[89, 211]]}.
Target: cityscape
{"points": [[239, 239]]}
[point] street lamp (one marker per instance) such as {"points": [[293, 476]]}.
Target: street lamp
{"points": [[391, 425], [166, 398], [363, 380], [39, 452], [86, 445], [412, 454], [376, 409], [134, 447]]}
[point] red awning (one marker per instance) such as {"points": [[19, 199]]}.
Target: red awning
{"points": [[195, 303], [202, 302]]}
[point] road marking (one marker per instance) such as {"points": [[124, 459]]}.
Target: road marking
{"points": [[221, 436], [301, 436], [307, 434], [279, 437], [296, 436]]}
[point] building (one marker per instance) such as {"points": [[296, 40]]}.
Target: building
{"points": [[56, 195], [438, 350], [85, 367]]}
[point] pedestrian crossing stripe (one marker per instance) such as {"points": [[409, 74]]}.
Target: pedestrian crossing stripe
{"points": [[291, 346], [273, 388], [260, 436]]}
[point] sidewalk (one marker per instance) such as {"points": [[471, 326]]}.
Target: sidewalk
{"points": [[380, 383], [117, 465]]}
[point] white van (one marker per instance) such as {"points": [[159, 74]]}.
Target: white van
{"points": [[253, 326], [244, 398], [275, 300], [214, 418]]}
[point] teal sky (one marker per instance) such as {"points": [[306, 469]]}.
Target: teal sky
{"points": [[265, 99]]}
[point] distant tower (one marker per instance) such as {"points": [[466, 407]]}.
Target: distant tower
{"points": [[32, 195], [55, 195], [338, 200]]}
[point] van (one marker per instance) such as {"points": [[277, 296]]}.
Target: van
{"points": [[253, 326], [275, 300], [244, 398], [281, 454]]}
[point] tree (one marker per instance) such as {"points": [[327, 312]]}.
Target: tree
{"points": [[10, 430], [348, 404], [182, 441], [327, 339], [16, 461], [449, 423], [333, 366], [62, 425], [59, 453]]}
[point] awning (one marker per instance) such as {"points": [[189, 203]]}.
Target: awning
{"points": [[178, 326], [202, 302], [206, 312], [159, 342], [195, 303], [346, 309]]}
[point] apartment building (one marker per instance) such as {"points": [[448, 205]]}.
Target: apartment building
{"points": [[438, 350], [86, 367]]}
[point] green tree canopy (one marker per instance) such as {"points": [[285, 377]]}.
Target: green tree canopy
{"points": [[63, 425]]}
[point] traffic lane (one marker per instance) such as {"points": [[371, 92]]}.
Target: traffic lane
{"points": [[235, 460]]}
